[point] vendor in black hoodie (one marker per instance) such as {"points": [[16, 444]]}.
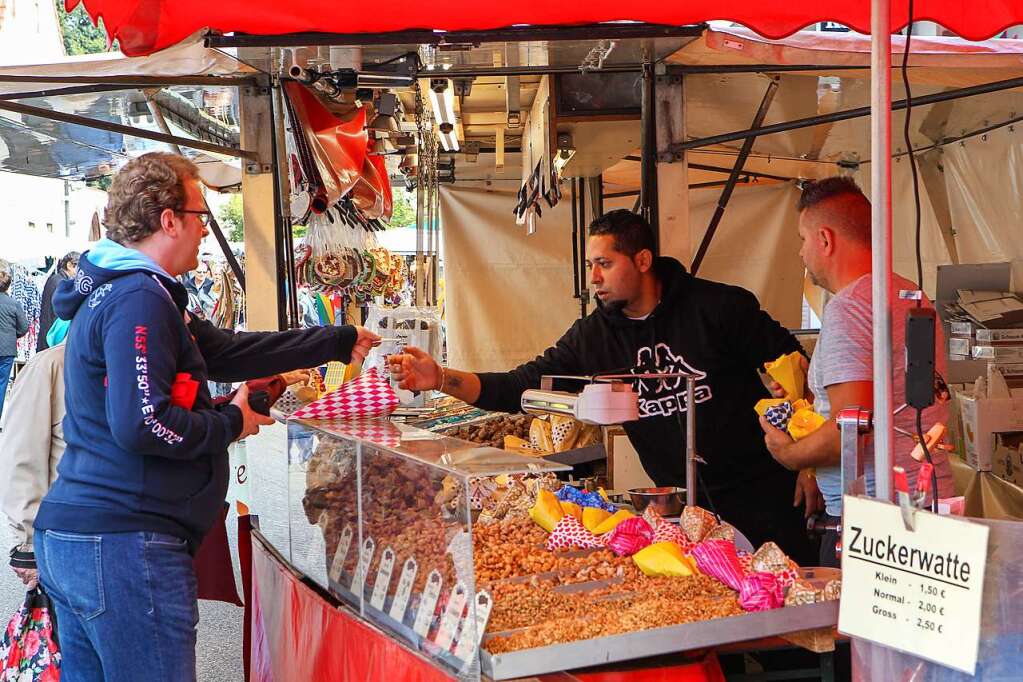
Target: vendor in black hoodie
{"points": [[653, 315]]}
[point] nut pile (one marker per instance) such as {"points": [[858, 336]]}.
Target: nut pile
{"points": [[546, 617], [492, 431]]}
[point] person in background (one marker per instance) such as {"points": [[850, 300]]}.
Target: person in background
{"points": [[66, 269], [30, 452], [199, 285], [834, 228], [13, 325]]}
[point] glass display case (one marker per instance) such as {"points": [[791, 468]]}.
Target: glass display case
{"points": [[381, 516]]}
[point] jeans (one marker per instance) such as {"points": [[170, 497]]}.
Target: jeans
{"points": [[126, 605], [6, 363]]}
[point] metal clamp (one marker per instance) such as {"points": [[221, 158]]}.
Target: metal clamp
{"points": [[853, 422]]}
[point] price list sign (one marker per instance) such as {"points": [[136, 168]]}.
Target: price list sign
{"points": [[917, 591]]}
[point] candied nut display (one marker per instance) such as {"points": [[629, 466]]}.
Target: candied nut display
{"points": [[492, 431]]}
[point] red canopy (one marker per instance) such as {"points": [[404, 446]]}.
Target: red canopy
{"points": [[145, 26]]}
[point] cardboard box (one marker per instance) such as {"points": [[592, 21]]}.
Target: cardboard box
{"points": [[1007, 460], [998, 353], [959, 346], [982, 418], [999, 335]]}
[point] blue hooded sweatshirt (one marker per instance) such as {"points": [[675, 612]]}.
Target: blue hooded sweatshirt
{"points": [[146, 448]]}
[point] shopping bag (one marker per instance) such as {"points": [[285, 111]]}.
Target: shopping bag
{"points": [[28, 650]]}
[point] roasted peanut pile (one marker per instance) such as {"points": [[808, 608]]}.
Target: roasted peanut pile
{"points": [[553, 619]]}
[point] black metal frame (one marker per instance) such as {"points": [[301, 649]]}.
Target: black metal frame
{"points": [[733, 177], [858, 112], [525, 34]]}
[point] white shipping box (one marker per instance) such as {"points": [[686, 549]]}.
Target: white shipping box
{"points": [[981, 419], [959, 346], [999, 353], [992, 335]]}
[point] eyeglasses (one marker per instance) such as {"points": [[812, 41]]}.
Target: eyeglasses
{"points": [[204, 216]]}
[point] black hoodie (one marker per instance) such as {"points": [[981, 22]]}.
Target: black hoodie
{"points": [[715, 330]]}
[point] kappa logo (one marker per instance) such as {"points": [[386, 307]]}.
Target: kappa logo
{"points": [[83, 283], [665, 397], [98, 295]]}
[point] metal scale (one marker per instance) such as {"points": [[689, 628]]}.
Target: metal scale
{"points": [[609, 399]]}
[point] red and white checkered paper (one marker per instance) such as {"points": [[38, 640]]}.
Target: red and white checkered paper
{"points": [[368, 395]]}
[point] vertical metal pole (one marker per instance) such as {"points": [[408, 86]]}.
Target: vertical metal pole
{"points": [[881, 239], [583, 290], [691, 441], [648, 150], [284, 278], [575, 244]]}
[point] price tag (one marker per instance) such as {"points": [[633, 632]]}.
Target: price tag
{"points": [[917, 591], [343, 545], [404, 590], [452, 616], [467, 644], [365, 559], [427, 603], [383, 580]]}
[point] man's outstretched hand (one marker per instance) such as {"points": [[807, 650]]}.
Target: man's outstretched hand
{"points": [[415, 370]]}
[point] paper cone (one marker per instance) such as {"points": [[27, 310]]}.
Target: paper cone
{"points": [[788, 371]]}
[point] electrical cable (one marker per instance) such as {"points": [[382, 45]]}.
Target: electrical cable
{"points": [[919, 250]]}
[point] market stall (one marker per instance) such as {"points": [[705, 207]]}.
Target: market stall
{"points": [[357, 489]]}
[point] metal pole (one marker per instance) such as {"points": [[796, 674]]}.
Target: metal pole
{"points": [[881, 239], [733, 177], [284, 276], [575, 245], [648, 147], [691, 441], [583, 288], [859, 112]]}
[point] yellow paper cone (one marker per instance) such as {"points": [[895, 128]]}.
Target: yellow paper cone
{"points": [[547, 511], [594, 516], [788, 371], [804, 422], [664, 559], [611, 522]]}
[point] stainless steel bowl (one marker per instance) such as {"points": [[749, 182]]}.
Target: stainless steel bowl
{"points": [[666, 501]]}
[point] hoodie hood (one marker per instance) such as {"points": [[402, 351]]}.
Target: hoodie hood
{"points": [[106, 262], [673, 277]]}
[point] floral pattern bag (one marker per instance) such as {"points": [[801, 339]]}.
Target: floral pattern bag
{"points": [[28, 650]]}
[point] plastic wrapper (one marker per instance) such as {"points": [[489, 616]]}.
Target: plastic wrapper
{"points": [[770, 559], [779, 415], [569, 533], [696, 522], [804, 422], [630, 536], [788, 371], [584, 498], [722, 531], [664, 559], [403, 326]]}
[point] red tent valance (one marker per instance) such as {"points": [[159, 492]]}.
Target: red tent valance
{"points": [[145, 26]]}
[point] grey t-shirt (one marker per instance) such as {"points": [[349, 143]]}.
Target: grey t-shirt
{"points": [[844, 353]]}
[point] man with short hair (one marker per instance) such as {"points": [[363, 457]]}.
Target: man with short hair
{"points": [[834, 228], [66, 268], [145, 472], [652, 315]]}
